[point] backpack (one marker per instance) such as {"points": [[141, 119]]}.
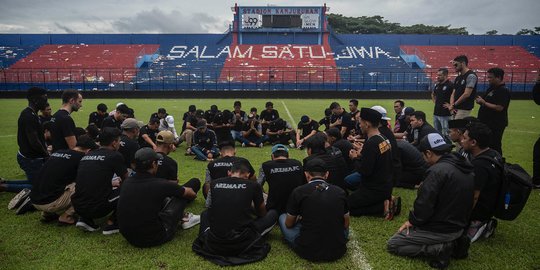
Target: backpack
{"points": [[516, 186]]}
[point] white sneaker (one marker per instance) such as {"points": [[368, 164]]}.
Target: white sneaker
{"points": [[476, 229], [189, 220], [292, 145], [18, 199], [261, 145]]}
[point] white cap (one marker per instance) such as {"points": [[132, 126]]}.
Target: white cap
{"points": [[382, 111], [170, 120]]}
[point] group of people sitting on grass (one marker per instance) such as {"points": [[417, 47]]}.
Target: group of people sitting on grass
{"points": [[117, 172]]}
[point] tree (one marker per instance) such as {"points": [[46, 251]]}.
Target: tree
{"points": [[492, 32], [526, 31]]}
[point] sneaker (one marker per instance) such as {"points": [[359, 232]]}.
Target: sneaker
{"points": [[461, 247], [111, 229], [87, 225], [490, 228], [442, 259], [476, 229], [243, 144], [261, 145], [292, 145], [188, 151], [189, 220], [18, 199], [26, 206]]}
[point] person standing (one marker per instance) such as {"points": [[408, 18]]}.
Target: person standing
{"points": [[399, 105], [46, 114], [494, 107], [63, 126], [441, 97], [462, 99]]}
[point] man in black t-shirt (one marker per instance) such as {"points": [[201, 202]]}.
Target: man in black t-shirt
{"points": [[210, 114], [413, 165], [306, 128], [55, 184], [31, 140], [399, 105], [420, 128], [98, 116], [335, 140], [167, 167], [238, 118], [160, 114], [279, 131], [354, 112], [147, 134], [115, 120], [322, 231], [204, 142], [95, 196], [341, 119], [252, 133], [487, 180], [335, 163], [462, 99], [128, 140], [283, 175], [219, 168], [150, 208], [221, 125], [403, 123], [46, 114], [63, 126], [188, 127], [494, 107], [268, 115], [384, 129], [441, 97], [228, 228], [326, 120], [372, 181]]}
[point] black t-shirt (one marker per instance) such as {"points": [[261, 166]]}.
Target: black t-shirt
{"points": [[459, 87], [346, 121], [442, 92], [141, 200], [326, 122], [308, 128], [152, 133], [206, 140], [128, 147], [499, 95], [401, 124], [411, 158], [345, 147], [167, 168], [269, 115], [189, 118], [238, 120], [218, 168], [487, 179], [110, 121], [29, 123], [388, 134], [95, 118], [322, 235], [43, 119], [59, 171], [62, 126], [94, 179], [419, 133], [282, 176], [375, 164], [337, 168], [231, 207]]}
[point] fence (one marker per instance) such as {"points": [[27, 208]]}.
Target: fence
{"points": [[243, 78]]}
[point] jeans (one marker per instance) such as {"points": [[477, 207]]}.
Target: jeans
{"points": [[31, 167], [236, 135], [353, 180], [203, 156], [440, 123], [290, 234], [253, 139]]}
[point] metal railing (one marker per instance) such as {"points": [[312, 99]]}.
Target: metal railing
{"points": [[243, 78]]}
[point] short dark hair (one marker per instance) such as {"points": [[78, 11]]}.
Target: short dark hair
{"points": [[316, 142], [401, 102], [444, 71], [102, 107], [253, 109], [334, 105], [162, 110], [35, 92], [316, 174], [108, 135], [192, 108], [237, 103], [354, 101], [269, 103], [92, 130], [69, 94], [480, 132], [497, 72], [419, 115], [153, 120], [123, 109], [462, 59], [334, 132], [327, 112]]}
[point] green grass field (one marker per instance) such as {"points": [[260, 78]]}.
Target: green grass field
{"points": [[25, 243]]}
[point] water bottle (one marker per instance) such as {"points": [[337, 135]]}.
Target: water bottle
{"points": [[506, 200]]}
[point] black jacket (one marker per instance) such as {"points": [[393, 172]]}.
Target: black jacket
{"points": [[445, 198]]}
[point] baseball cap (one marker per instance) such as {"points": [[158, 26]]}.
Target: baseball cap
{"points": [[85, 141], [165, 136], [304, 119], [382, 111], [370, 115], [146, 154], [131, 123], [434, 141], [170, 120], [279, 147], [315, 165], [201, 123]]}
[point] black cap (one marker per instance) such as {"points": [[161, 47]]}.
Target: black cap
{"points": [[315, 165], [304, 119], [146, 154], [85, 141], [408, 111], [370, 115]]}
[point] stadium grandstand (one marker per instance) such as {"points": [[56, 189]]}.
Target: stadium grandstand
{"points": [[265, 48]]}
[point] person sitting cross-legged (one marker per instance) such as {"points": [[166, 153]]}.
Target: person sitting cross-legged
{"points": [[204, 142], [150, 208]]}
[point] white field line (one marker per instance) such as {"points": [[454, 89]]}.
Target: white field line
{"points": [[521, 131], [293, 123], [5, 136], [358, 257]]}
